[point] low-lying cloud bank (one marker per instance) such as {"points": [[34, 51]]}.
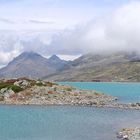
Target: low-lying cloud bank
{"points": [[117, 31]]}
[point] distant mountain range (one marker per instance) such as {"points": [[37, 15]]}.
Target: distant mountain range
{"points": [[33, 65], [89, 67]]}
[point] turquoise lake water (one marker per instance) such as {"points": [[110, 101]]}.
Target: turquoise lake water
{"points": [[126, 92], [70, 123], [64, 122]]}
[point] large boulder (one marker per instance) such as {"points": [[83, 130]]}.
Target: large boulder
{"points": [[22, 83], [7, 93]]}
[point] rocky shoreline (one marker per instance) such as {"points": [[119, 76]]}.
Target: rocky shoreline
{"points": [[133, 106], [36, 92], [129, 134], [25, 91]]}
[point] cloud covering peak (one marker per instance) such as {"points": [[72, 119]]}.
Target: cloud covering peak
{"points": [[117, 30]]}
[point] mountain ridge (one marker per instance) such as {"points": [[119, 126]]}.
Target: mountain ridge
{"points": [[30, 64], [115, 67], [89, 67]]}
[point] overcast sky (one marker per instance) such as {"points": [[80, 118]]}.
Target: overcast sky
{"points": [[68, 28]]}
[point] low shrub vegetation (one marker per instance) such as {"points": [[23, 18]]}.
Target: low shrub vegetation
{"points": [[15, 88], [40, 84], [68, 89], [5, 85], [10, 86]]}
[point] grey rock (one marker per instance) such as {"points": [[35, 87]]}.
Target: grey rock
{"points": [[22, 83], [7, 92]]}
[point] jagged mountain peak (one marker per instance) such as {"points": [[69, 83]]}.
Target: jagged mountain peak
{"points": [[25, 56], [32, 64], [54, 57]]}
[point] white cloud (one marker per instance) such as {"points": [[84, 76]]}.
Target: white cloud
{"points": [[118, 30]]}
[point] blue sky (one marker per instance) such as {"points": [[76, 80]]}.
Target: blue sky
{"points": [[68, 28]]}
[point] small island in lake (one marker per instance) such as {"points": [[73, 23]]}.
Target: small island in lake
{"points": [[38, 92], [27, 91]]}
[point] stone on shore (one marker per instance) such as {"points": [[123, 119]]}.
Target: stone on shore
{"points": [[7, 93], [22, 83], [129, 134]]}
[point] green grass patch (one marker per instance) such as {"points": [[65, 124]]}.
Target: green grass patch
{"points": [[15, 88], [40, 84], [5, 85], [68, 89]]}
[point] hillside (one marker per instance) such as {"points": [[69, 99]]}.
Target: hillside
{"points": [[116, 67], [33, 65]]}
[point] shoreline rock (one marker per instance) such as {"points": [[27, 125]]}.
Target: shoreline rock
{"points": [[27, 91], [129, 134]]}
